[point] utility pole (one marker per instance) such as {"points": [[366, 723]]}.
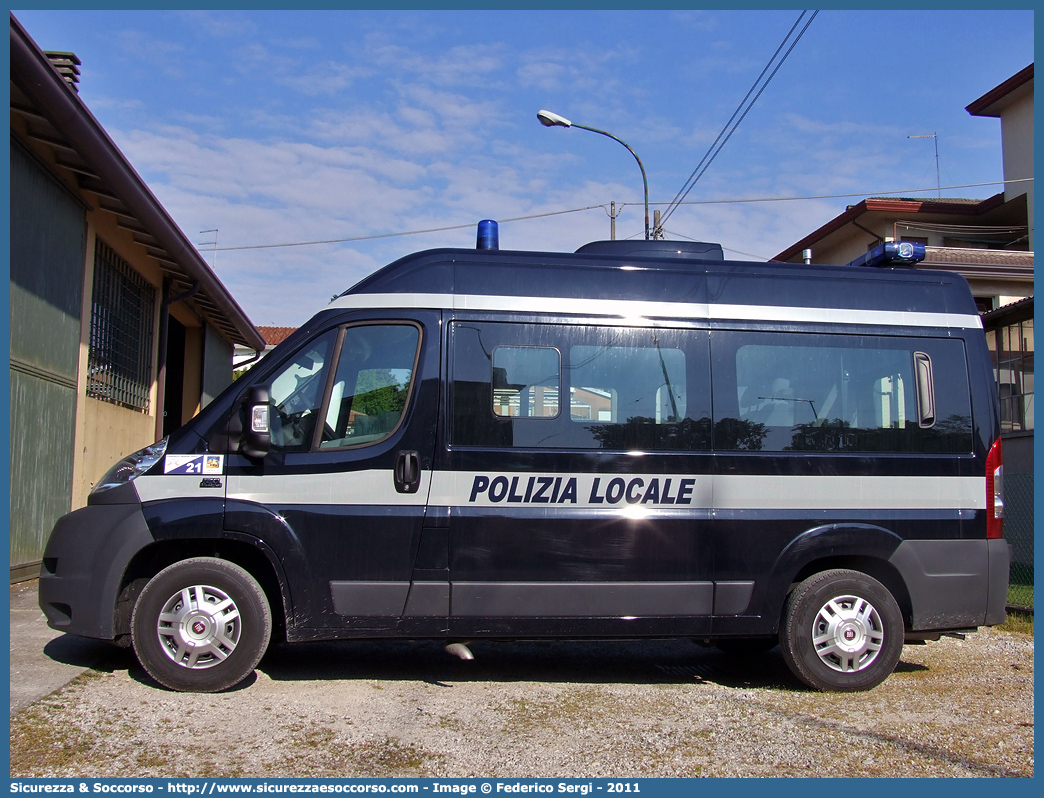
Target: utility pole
{"points": [[612, 220], [657, 232]]}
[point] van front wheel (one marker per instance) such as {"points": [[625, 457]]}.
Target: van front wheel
{"points": [[201, 625], [842, 631]]}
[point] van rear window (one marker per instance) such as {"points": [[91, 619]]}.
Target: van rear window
{"points": [[838, 393]]}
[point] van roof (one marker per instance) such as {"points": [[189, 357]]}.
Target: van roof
{"points": [[637, 284]]}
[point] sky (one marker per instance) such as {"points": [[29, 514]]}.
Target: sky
{"points": [[278, 127]]}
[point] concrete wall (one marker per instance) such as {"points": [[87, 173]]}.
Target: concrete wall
{"points": [[110, 433], [1017, 146], [217, 365]]}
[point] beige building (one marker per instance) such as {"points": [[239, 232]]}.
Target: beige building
{"points": [[1012, 103], [120, 332]]}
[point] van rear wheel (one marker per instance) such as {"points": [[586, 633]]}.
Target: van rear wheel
{"points": [[201, 625], [842, 631]]}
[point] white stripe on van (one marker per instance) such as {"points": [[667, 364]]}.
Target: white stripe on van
{"points": [[641, 313], [178, 486], [366, 488], [708, 492], [625, 493]]}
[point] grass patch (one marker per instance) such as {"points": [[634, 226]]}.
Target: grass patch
{"points": [[1020, 622], [1020, 585], [1020, 595], [391, 758]]}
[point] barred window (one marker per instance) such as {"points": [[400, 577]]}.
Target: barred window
{"points": [[119, 360]]}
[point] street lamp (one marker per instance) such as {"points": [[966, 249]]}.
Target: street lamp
{"points": [[549, 119]]}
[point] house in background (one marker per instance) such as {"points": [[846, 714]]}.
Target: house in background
{"points": [[990, 243], [1009, 325], [245, 357], [120, 332], [986, 241], [1012, 103]]}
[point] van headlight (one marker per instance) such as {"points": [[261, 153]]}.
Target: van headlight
{"points": [[132, 466]]}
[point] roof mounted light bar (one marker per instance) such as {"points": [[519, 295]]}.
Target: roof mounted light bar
{"points": [[891, 253]]}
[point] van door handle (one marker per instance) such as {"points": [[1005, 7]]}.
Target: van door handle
{"points": [[407, 472]]}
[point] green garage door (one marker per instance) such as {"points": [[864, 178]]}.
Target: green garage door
{"points": [[48, 239]]}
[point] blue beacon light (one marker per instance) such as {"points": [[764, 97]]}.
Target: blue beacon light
{"points": [[892, 253], [488, 235]]}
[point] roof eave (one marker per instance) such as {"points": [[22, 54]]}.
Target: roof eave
{"points": [[886, 205], [36, 76], [981, 106]]}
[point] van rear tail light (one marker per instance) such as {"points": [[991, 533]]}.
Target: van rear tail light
{"points": [[995, 492]]}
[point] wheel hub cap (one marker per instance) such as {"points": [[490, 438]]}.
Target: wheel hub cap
{"points": [[848, 634], [199, 626]]}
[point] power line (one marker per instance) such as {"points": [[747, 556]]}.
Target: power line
{"points": [[404, 233], [842, 196], [727, 249], [619, 205], [734, 113], [720, 142]]}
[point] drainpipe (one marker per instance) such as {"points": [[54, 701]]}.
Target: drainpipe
{"points": [[254, 359], [161, 366], [868, 232]]}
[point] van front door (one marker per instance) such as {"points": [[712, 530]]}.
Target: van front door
{"points": [[340, 495]]}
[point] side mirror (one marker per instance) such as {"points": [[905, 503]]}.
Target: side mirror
{"points": [[257, 438]]}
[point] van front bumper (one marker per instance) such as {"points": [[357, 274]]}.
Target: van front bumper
{"points": [[83, 567]]}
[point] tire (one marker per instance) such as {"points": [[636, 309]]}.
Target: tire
{"points": [[201, 625], [841, 631]]}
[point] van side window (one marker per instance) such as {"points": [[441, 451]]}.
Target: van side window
{"points": [[526, 381], [365, 399], [617, 384], [778, 392], [371, 386], [579, 387], [297, 394]]}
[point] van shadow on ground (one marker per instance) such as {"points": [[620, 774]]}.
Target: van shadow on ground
{"points": [[583, 662]]}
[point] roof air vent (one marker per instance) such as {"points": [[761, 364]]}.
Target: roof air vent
{"points": [[68, 66], [657, 248]]}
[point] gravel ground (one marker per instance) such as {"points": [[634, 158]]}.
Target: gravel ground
{"points": [[654, 709]]}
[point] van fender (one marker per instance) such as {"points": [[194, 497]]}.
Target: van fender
{"points": [[84, 563], [201, 519], [277, 540], [831, 542]]}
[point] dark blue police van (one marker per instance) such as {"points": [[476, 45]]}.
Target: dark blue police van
{"points": [[635, 440]]}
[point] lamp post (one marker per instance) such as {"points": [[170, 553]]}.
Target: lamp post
{"points": [[549, 119]]}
